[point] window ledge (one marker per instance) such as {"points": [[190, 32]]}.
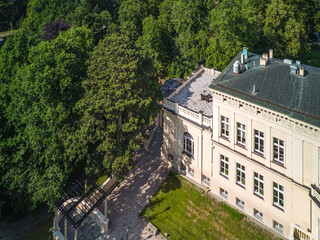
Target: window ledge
{"points": [[280, 208], [259, 154], [241, 145], [225, 138], [188, 154], [227, 177], [240, 185], [278, 163], [259, 196]]}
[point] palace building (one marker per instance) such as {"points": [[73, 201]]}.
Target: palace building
{"points": [[251, 134]]}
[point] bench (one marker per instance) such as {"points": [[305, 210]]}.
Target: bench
{"points": [[152, 228]]}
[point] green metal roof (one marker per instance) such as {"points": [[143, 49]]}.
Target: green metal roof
{"points": [[276, 88]]}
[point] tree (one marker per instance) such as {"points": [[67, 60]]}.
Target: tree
{"points": [[121, 98], [39, 114], [233, 25], [52, 29], [285, 32], [156, 43], [11, 12], [131, 14]]}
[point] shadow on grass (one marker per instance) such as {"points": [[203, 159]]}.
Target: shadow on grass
{"points": [[155, 215], [171, 183]]}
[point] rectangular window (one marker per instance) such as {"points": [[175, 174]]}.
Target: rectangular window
{"points": [[258, 141], [224, 166], [278, 227], [206, 180], [241, 175], [241, 134], [223, 193], [278, 195], [188, 144], [240, 203], [258, 185], [183, 168], [258, 215], [278, 150], [224, 126], [191, 172]]}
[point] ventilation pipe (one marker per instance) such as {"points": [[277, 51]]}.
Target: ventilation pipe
{"points": [[263, 62], [243, 58], [301, 71], [236, 67], [270, 53], [245, 51]]}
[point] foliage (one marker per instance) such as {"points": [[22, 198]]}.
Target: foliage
{"points": [[233, 25], [285, 30], [156, 43], [131, 14], [11, 11], [52, 29], [39, 115], [121, 97]]}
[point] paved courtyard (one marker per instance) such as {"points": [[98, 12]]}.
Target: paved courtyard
{"points": [[127, 201]]}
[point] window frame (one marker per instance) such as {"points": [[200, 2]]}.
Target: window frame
{"points": [[191, 171], [257, 214], [241, 133], [241, 204], [257, 187], [225, 127], [277, 147], [224, 193], [277, 227], [188, 142], [258, 141], [224, 166], [206, 180], [241, 174], [277, 192]]}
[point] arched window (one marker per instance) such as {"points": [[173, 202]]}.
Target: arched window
{"points": [[188, 143]]}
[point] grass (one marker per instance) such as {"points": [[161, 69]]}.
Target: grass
{"points": [[42, 232], [312, 57], [183, 211]]}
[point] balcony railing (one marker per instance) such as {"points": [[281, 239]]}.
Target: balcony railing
{"points": [[297, 233], [189, 114]]}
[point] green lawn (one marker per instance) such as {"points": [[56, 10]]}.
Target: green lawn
{"points": [[312, 58], [185, 212], [42, 232]]}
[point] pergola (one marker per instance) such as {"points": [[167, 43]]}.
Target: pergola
{"points": [[78, 201]]}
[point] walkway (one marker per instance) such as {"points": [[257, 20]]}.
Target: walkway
{"points": [[127, 201]]}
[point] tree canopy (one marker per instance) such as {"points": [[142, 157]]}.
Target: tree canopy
{"points": [[121, 98], [79, 79]]}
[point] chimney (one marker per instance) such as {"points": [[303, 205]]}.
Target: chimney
{"points": [[301, 71], [263, 62], [265, 56], [243, 58], [270, 53], [245, 51], [236, 67]]}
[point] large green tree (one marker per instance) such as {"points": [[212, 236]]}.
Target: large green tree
{"points": [[285, 29], [121, 98], [41, 95], [233, 25]]}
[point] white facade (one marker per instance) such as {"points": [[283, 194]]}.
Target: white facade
{"points": [[262, 162]]}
